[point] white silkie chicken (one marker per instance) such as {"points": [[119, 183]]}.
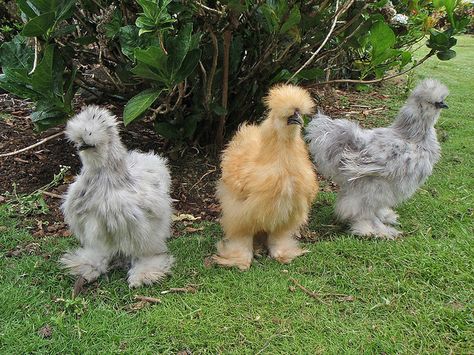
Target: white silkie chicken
{"points": [[118, 205], [379, 168]]}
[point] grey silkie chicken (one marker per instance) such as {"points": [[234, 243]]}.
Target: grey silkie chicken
{"points": [[379, 168], [118, 205]]}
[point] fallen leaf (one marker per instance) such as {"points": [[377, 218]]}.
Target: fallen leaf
{"points": [[193, 230], [147, 299], [184, 217]]}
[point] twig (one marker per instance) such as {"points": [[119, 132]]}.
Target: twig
{"points": [[319, 296], [215, 55], [320, 47], [221, 13], [308, 292], [147, 299], [50, 194], [353, 81], [32, 146], [202, 177]]}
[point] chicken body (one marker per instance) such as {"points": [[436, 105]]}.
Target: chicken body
{"points": [[268, 184], [379, 168], [118, 205]]}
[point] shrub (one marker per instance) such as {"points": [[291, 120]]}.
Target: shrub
{"points": [[201, 67]]}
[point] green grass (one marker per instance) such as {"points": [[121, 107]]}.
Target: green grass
{"points": [[413, 295]]}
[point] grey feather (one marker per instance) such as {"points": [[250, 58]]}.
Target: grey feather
{"points": [[379, 168], [118, 205]]}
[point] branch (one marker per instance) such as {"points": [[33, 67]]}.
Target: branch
{"points": [[320, 47], [352, 81], [214, 11], [33, 145], [225, 87]]}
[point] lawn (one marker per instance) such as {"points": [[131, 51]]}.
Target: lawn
{"points": [[413, 295]]}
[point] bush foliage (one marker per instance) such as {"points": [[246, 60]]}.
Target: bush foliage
{"points": [[200, 68]]}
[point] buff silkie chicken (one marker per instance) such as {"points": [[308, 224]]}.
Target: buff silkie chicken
{"points": [[268, 182], [379, 168], [119, 204]]}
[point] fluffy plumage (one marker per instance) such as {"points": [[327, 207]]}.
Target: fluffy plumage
{"points": [[268, 182], [379, 168], [118, 205]]}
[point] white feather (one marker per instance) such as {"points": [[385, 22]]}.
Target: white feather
{"points": [[119, 203]]}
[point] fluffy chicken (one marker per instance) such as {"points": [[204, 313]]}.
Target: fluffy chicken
{"points": [[268, 182], [118, 205], [379, 168]]}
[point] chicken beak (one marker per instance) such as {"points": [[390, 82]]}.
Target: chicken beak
{"points": [[295, 119], [441, 104]]}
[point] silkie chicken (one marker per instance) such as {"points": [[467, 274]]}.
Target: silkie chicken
{"points": [[377, 169], [119, 204], [268, 182]]}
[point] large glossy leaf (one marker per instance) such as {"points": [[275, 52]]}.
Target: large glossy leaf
{"points": [[188, 66], [65, 10], [154, 56], [8, 83], [446, 55], [29, 10], [293, 19], [42, 78], [138, 104], [178, 48], [381, 37], [39, 25], [167, 130], [16, 54]]}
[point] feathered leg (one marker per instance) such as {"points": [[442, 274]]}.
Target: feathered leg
{"points": [[362, 214], [149, 269], [89, 261], [283, 247], [387, 216], [235, 250]]}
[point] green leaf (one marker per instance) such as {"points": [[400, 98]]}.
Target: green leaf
{"points": [[139, 104], [167, 130], [16, 53], [29, 10], [42, 78], [188, 66], [39, 25], [311, 74], [293, 20], [44, 5], [270, 16], [12, 86], [65, 10], [63, 31], [218, 109], [406, 58], [446, 55], [154, 56], [178, 47], [144, 71], [381, 37]]}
